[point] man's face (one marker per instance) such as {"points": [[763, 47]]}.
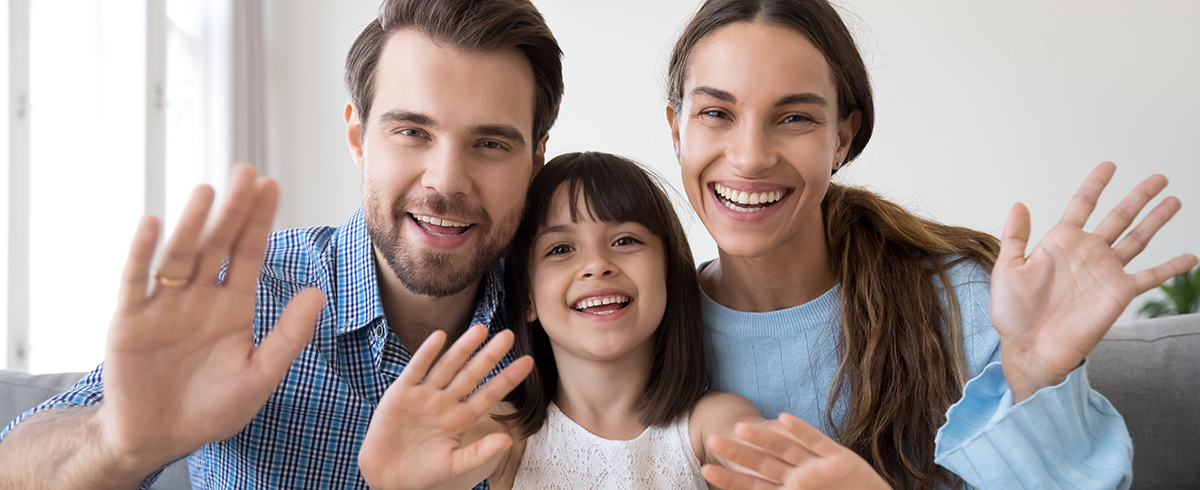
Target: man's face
{"points": [[446, 159]]}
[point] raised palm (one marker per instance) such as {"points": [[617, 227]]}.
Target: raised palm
{"points": [[181, 368], [1052, 306], [421, 434]]}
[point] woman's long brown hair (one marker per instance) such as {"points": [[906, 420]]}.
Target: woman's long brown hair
{"points": [[901, 361]]}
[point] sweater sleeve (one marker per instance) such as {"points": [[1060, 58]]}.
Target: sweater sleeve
{"points": [[1066, 436]]}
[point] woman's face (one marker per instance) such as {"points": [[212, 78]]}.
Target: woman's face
{"points": [[599, 288], [757, 136]]}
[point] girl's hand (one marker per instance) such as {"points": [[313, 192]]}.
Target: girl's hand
{"points": [[787, 454], [1053, 306], [416, 438]]}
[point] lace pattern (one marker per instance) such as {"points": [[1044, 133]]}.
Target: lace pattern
{"points": [[563, 455]]}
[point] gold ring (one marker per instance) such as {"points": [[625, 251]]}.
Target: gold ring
{"points": [[171, 282]]}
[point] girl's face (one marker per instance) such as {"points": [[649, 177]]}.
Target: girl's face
{"points": [[598, 288], [757, 136]]}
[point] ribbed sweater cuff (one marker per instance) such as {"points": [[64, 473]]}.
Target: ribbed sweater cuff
{"points": [[1064, 436]]}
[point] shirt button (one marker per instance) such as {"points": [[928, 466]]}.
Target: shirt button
{"points": [[380, 331]]}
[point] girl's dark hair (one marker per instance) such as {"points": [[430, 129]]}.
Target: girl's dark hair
{"points": [[901, 362], [614, 189]]}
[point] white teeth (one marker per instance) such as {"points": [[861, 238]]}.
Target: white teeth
{"points": [[440, 222], [741, 197], [600, 301]]}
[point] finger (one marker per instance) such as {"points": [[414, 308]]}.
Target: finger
{"points": [[179, 257], [1133, 243], [808, 436], [1123, 215], [1015, 238], [279, 349], [418, 365], [452, 361], [137, 265], [479, 452], [245, 262], [480, 365], [732, 480], [500, 385], [749, 457], [1154, 277], [1084, 201], [219, 238], [774, 443]]}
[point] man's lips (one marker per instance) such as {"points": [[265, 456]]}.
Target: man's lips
{"points": [[440, 226]]}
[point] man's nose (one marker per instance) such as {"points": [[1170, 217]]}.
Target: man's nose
{"points": [[751, 150], [448, 172]]}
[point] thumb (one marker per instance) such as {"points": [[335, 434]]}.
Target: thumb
{"points": [[1014, 239]]}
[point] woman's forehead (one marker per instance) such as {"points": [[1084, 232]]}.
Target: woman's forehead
{"points": [[755, 60]]}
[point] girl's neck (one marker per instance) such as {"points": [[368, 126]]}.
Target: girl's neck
{"points": [[795, 273], [604, 397]]}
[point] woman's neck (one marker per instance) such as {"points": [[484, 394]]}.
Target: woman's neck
{"points": [[795, 273], [604, 397]]}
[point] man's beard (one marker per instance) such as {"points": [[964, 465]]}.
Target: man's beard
{"points": [[426, 270]]}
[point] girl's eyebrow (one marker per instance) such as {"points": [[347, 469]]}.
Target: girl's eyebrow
{"points": [[552, 229]]}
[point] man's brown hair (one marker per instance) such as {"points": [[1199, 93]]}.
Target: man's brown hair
{"points": [[470, 25]]}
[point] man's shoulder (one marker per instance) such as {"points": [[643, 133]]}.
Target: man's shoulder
{"points": [[300, 255]]}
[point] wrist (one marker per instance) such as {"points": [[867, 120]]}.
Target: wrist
{"points": [[128, 459], [1025, 375]]}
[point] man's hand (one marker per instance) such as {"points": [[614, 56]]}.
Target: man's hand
{"points": [[418, 437], [787, 454], [181, 368], [1053, 306]]}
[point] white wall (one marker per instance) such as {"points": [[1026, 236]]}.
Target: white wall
{"points": [[979, 104]]}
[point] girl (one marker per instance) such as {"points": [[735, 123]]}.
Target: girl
{"points": [[833, 304], [604, 299]]}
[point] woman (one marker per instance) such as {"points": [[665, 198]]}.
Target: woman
{"points": [[831, 303]]}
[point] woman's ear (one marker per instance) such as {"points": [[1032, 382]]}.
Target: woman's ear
{"points": [[674, 124], [847, 130]]}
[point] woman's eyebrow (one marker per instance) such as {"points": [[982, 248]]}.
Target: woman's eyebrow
{"points": [[804, 98], [715, 93]]}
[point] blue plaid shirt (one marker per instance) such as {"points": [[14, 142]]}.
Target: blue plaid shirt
{"points": [[309, 432]]}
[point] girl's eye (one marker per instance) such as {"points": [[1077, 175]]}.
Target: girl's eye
{"points": [[626, 241], [559, 249]]}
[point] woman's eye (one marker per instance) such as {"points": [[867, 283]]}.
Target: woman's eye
{"points": [[626, 241], [796, 118], [713, 114], [559, 250]]}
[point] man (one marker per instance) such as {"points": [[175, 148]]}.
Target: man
{"points": [[451, 104]]}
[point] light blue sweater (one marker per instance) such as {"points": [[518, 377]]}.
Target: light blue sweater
{"points": [[1065, 436]]}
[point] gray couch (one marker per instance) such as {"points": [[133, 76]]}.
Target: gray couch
{"points": [[1150, 370]]}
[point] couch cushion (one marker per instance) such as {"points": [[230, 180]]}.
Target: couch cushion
{"points": [[1150, 371], [20, 391]]}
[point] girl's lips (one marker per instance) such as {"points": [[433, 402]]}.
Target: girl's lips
{"points": [[602, 304]]}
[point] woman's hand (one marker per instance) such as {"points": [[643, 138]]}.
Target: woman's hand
{"points": [[787, 454], [417, 437], [1053, 306]]}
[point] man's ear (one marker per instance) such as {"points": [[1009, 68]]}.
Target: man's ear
{"points": [[354, 134], [674, 124], [539, 157]]}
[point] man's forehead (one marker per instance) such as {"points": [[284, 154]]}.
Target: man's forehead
{"points": [[454, 86]]}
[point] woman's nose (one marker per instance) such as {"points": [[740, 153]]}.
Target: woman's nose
{"points": [[750, 150]]}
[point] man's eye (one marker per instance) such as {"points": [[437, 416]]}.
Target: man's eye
{"points": [[411, 133], [559, 250], [492, 145], [797, 118]]}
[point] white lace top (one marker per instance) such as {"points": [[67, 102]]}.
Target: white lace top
{"points": [[564, 455]]}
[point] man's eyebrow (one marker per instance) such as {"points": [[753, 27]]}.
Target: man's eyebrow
{"points": [[804, 98], [500, 131], [715, 93], [403, 116]]}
